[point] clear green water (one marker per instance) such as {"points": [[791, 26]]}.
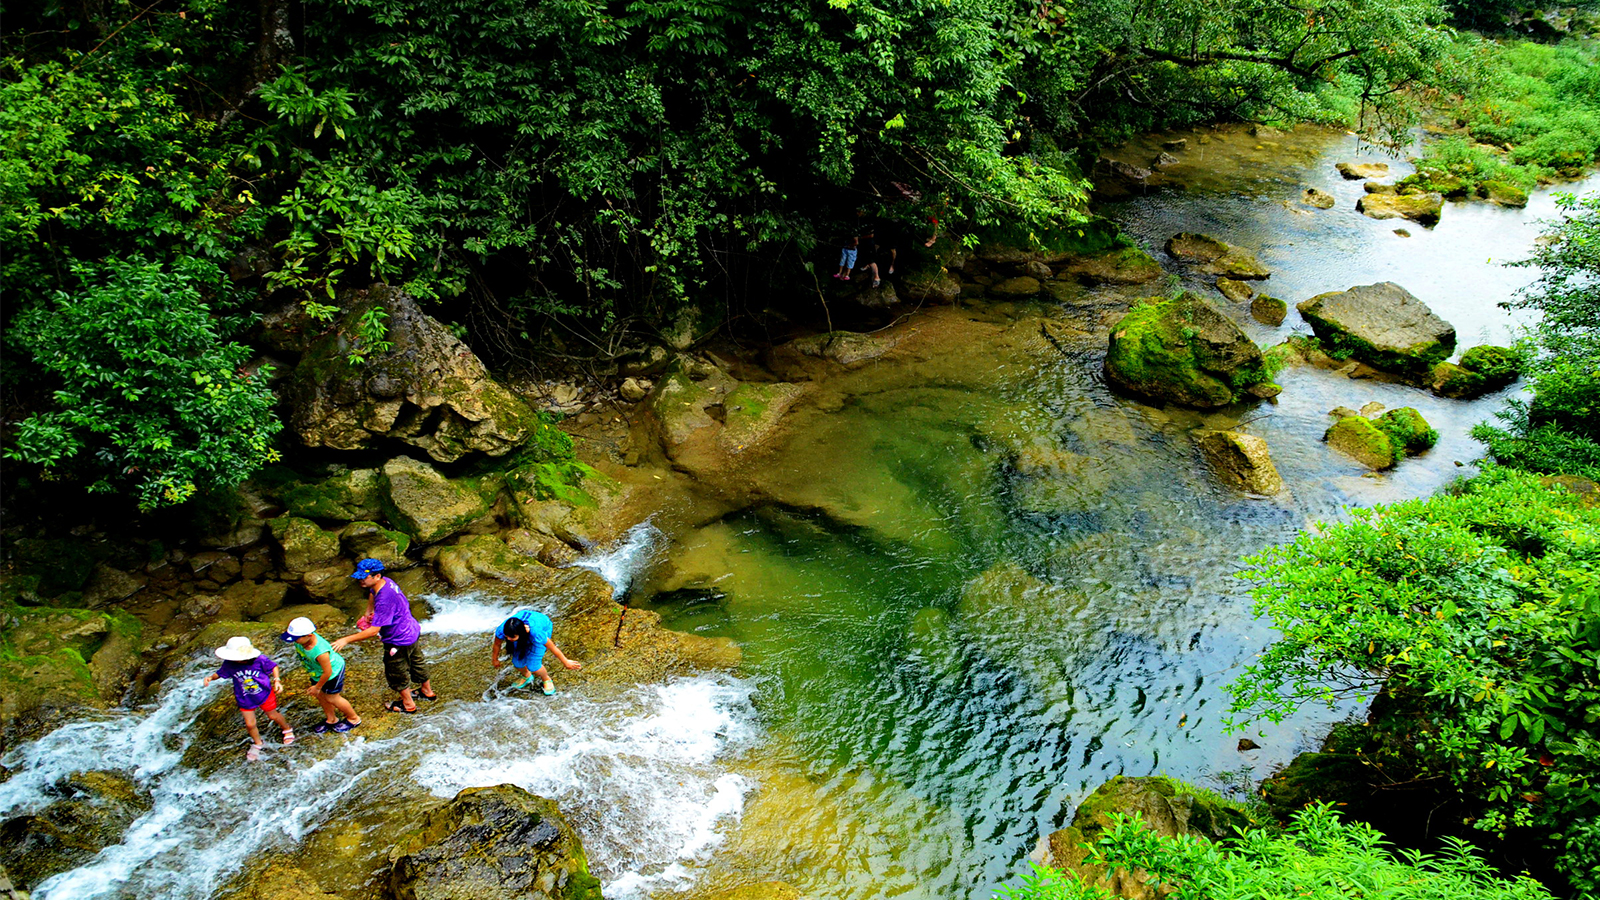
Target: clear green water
{"points": [[981, 584]]}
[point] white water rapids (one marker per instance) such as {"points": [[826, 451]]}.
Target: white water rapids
{"points": [[647, 760]]}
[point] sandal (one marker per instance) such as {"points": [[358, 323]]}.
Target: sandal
{"points": [[548, 688], [288, 736], [254, 753], [428, 697], [346, 725], [395, 706], [526, 682], [323, 727]]}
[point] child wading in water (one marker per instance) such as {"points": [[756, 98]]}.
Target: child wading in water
{"points": [[527, 635], [255, 687], [326, 668]]}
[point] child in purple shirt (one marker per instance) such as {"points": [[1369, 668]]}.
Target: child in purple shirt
{"points": [[255, 687], [389, 619]]}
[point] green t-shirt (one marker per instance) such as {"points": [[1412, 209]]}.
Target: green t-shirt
{"points": [[308, 658]]}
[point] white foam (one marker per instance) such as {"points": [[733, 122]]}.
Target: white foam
{"points": [[621, 563], [469, 614]]}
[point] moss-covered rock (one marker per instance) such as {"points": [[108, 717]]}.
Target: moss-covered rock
{"points": [[1423, 209], [1499, 366], [93, 811], [1183, 350], [1381, 324], [491, 843], [47, 654], [304, 546], [1237, 291], [426, 505], [1358, 438], [1268, 310], [1433, 181], [1317, 199], [1120, 265], [345, 497], [761, 890], [1503, 193], [1456, 383], [363, 540], [1409, 433], [1358, 171], [1215, 257]]}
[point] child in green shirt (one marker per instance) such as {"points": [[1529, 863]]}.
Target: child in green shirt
{"points": [[326, 668]]}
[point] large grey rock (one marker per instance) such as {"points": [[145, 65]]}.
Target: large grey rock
{"points": [[1124, 265], [1355, 171], [347, 496], [426, 505], [1382, 324], [428, 390], [491, 843], [1421, 208], [303, 544]]}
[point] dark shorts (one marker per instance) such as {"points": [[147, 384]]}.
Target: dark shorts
{"points": [[404, 666], [335, 684]]}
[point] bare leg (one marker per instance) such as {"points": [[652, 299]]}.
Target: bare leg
{"points": [[405, 699], [327, 704], [283, 723], [338, 702], [250, 725]]}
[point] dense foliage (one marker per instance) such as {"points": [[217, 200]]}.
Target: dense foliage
{"points": [[1317, 857], [1478, 611], [594, 171], [1528, 112], [1558, 431]]}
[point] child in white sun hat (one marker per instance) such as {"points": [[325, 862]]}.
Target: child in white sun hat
{"points": [[255, 686], [326, 668]]}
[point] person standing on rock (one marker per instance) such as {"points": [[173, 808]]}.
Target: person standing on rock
{"points": [[527, 635], [256, 686], [326, 668], [389, 618]]}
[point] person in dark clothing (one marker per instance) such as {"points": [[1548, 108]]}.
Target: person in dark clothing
{"points": [[867, 253]]}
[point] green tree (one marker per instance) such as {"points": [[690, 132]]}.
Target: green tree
{"points": [[150, 397]]}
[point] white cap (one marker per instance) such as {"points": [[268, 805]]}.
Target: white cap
{"points": [[300, 627]]}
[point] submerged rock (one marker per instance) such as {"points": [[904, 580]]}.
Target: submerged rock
{"points": [[93, 811], [1268, 310], [1020, 286], [427, 389], [1215, 257], [1420, 208], [491, 843], [1362, 441], [1503, 193], [1237, 291], [1240, 461], [1382, 324], [761, 890], [1356, 171], [1317, 198], [1125, 265], [1184, 350]]}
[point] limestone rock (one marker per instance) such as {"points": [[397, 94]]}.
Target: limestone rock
{"points": [[761, 890], [1454, 382], [1237, 291], [881, 297], [1408, 432], [333, 584], [1268, 310], [633, 390], [1381, 324], [491, 843], [1184, 350], [1241, 461], [363, 540], [345, 497], [1356, 171], [94, 810], [109, 586], [1375, 187], [932, 285], [328, 619], [847, 348], [1214, 257], [1503, 193], [1362, 441], [1037, 269], [426, 505], [1125, 265], [1175, 144], [486, 556], [255, 600], [303, 544], [1421, 208], [428, 389], [1436, 182], [1317, 198]]}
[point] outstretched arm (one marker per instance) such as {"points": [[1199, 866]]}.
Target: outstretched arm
{"points": [[550, 645], [494, 653]]}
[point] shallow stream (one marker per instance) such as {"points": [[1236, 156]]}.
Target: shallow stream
{"points": [[984, 585]]}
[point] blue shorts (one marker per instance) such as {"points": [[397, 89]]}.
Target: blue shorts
{"points": [[335, 684], [847, 258], [532, 660]]}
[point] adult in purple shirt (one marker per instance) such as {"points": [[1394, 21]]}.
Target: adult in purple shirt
{"points": [[389, 619]]}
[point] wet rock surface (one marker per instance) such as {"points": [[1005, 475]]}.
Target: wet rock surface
{"points": [[1215, 257], [1182, 350], [1423, 209], [92, 812], [491, 843], [1382, 324], [1240, 461]]}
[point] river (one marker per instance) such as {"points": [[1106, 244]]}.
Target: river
{"points": [[946, 646]]}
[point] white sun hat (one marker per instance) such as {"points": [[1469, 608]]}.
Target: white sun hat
{"points": [[238, 649], [298, 628]]}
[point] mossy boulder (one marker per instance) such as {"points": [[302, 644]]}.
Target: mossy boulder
{"points": [[1268, 310], [490, 843], [1358, 171], [1121, 265], [91, 813], [1241, 461], [1234, 290], [1317, 199], [932, 284], [1215, 257], [1166, 806], [304, 546], [57, 565], [1453, 382], [363, 540], [761, 890], [47, 660], [1503, 193], [1423, 209], [1408, 432], [1499, 366], [1183, 350], [1381, 324], [345, 497], [487, 556], [1432, 181], [1362, 441], [426, 505]]}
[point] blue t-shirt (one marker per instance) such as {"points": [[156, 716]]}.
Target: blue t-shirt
{"points": [[539, 630], [252, 680], [391, 612]]}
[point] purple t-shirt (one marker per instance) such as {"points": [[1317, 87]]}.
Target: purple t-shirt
{"points": [[252, 680], [391, 612]]}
